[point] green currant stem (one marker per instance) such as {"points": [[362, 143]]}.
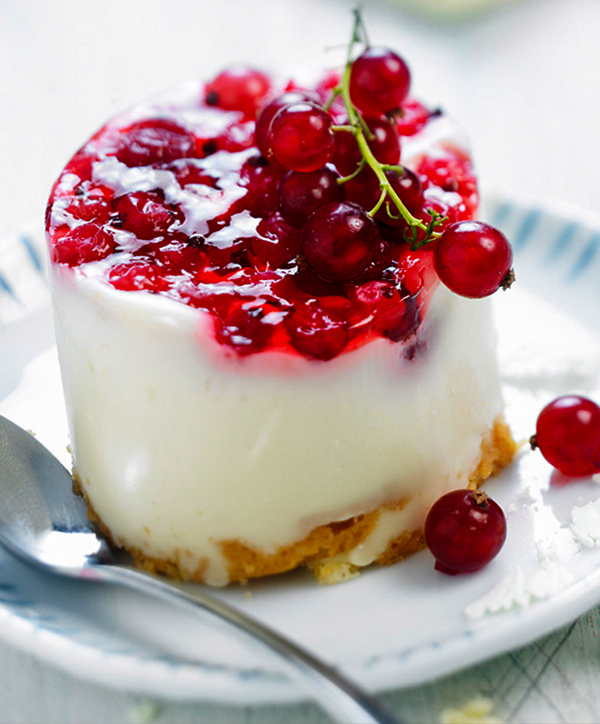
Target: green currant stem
{"points": [[334, 94], [360, 167], [367, 154], [379, 203]]}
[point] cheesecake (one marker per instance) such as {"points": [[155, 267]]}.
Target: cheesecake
{"points": [[234, 412]]}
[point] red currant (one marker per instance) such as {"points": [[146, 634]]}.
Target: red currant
{"points": [[464, 530], [301, 136], [385, 146], [339, 241], [301, 194], [238, 88], [267, 113], [156, 140], [473, 259], [568, 435], [379, 81]]}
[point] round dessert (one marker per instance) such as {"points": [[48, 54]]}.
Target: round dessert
{"points": [[261, 369]]}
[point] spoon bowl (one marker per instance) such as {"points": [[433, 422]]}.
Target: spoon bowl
{"points": [[45, 524]]}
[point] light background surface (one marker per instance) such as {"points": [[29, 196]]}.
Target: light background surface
{"points": [[524, 78]]}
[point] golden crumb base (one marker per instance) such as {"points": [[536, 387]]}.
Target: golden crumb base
{"points": [[324, 542]]}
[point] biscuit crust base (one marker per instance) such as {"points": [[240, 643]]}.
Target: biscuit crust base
{"points": [[324, 542]]}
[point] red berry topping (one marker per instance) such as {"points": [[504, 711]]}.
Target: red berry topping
{"points": [[472, 258], [279, 257], [379, 82], [385, 145], [137, 276], [267, 113], [316, 331], [300, 194], [247, 329], [90, 204], [340, 241], [568, 435], [82, 244], [238, 88], [464, 530], [301, 136], [144, 214], [156, 140]]}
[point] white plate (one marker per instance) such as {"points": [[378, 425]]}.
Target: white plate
{"points": [[391, 627]]}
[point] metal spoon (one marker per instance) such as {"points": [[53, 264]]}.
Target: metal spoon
{"points": [[43, 523]]}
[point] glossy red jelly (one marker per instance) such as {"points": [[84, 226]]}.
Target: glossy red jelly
{"points": [[174, 198]]}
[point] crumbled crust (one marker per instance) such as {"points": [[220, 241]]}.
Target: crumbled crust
{"points": [[323, 543]]}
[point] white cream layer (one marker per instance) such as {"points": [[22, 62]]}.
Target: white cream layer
{"points": [[180, 446]]}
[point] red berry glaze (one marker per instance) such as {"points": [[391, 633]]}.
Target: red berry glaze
{"points": [[83, 244], [340, 241], [464, 530], [301, 194], [144, 214], [238, 88], [301, 137], [204, 217], [568, 435], [317, 331], [379, 82], [472, 258]]}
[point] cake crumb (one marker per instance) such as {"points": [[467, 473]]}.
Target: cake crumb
{"points": [[475, 711], [329, 572], [247, 594]]}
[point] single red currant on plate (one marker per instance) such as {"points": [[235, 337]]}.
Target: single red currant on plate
{"points": [[465, 530], [568, 435], [473, 259]]}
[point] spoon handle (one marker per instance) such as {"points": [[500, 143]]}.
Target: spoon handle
{"points": [[342, 699]]}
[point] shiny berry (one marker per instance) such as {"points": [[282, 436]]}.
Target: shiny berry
{"points": [[385, 145], [339, 241], [238, 88], [301, 136], [464, 530], [157, 140], [267, 113], [473, 259], [379, 81], [568, 435], [301, 194]]}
